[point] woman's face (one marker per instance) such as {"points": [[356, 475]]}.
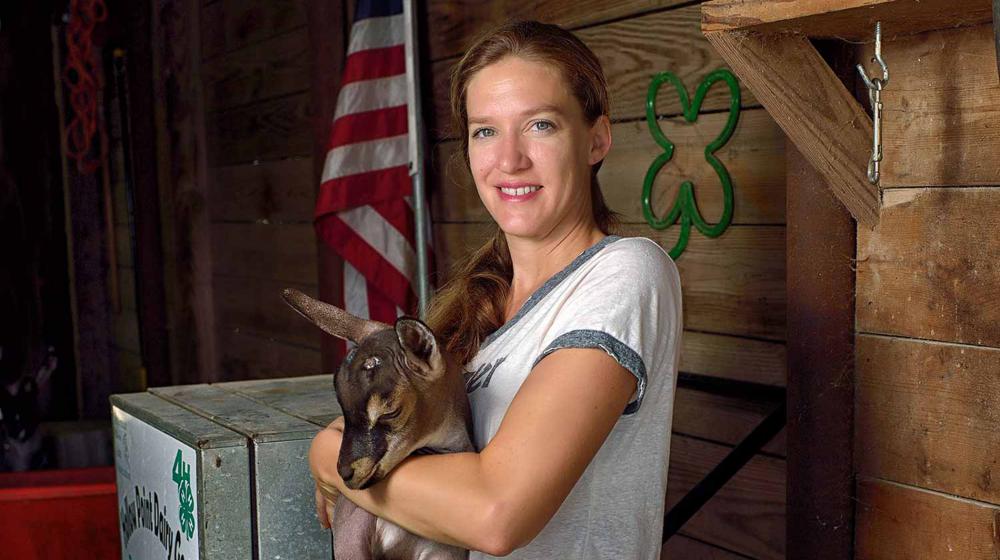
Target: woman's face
{"points": [[530, 149]]}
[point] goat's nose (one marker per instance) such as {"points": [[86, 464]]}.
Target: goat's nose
{"points": [[346, 471]]}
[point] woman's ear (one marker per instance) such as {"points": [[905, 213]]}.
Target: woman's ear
{"points": [[600, 139]]}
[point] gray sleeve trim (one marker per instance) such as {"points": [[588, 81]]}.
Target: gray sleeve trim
{"points": [[627, 357]]}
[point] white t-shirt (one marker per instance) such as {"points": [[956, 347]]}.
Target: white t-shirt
{"points": [[623, 296]]}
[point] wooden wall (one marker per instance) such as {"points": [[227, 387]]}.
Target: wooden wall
{"points": [[255, 77], [734, 286], [928, 318]]}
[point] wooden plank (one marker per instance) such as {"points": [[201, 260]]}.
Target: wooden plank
{"points": [[271, 191], [126, 331], [753, 157], [941, 128], [277, 66], [254, 306], [732, 357], [131, 375], [285, 253], [748, 513], [180, 157], [843, 19], [820, 394], [927, 415], [631, 51], [734, 284], [896, 521], [722, 419], [245, 356], [272, 129], [680, 546], [453, 25], [812, 106], [126, 280], [930, 269], [232, 24], [329, 21]]}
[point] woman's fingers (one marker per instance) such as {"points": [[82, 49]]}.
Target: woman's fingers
{"points": [[323, 512]]}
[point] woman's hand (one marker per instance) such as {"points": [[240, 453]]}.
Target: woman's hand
{"points": [[326, 448]]}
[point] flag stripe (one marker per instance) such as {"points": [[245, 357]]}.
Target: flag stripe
{"points": [[364, 188], [355, 292], [377, 33], [400, 216], [381, 308], [366, 260], [362, 157], [369, 125], [370, 226], [374, 63], [372, 94]]}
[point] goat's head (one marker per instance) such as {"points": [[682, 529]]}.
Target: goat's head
{"points": [[385, 388]]}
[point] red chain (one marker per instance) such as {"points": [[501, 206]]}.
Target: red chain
{"points": [[79, 77]]}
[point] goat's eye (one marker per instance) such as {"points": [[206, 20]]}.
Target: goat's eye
{"points": [[390, 416], [371, 363]]}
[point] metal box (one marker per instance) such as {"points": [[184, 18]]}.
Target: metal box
{"points": [[183, 483], [281, 487]]}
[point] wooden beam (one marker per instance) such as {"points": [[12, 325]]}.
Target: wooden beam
{"points": [[812, 106], [996, 31], [843, 19], [820, 390]]}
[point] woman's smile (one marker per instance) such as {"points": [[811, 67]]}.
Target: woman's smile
{"points": [[518, 192]]}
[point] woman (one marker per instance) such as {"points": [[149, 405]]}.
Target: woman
{"points": [[570, 335]]}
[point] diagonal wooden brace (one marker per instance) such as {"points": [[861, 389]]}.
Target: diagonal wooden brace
{"points": [[813, 107]]}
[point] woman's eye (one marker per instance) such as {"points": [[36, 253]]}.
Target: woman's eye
{"points": [[543, 125], [483, 133]]}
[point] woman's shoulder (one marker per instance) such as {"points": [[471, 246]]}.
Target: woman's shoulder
{"points": [[638, 255]]}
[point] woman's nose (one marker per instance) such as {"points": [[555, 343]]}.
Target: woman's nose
{"points": [[512, 157]]}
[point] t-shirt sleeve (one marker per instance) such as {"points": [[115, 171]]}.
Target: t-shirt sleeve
{"points": [[628, 305]]}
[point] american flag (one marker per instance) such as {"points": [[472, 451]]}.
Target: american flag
{"points": [[364, 210]]}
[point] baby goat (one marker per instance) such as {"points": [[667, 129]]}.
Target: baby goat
{"points": [[400, 394]]}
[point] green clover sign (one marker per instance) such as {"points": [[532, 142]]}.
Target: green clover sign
{"points": [[685, 208]]}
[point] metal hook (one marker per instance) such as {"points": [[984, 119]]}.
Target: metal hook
{"points": [[875, 86]]}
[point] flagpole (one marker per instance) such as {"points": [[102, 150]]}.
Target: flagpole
{"points": [[417, 172]]}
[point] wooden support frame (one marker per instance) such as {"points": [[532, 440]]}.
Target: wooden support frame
{"points": [[768, 46]]}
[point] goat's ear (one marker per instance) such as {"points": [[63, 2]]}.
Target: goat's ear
{"points": [[332, 319], [420, 347]]}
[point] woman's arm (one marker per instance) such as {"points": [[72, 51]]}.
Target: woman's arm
{"points": [[501, 498]]}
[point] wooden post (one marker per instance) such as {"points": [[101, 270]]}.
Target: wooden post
{"points": [[328, 33], [820, 284]]}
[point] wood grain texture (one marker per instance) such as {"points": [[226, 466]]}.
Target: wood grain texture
{"points": [[897, 521], [847, 19], [631, 51], [272, 191], [932, 268], [453, 25], [271, 68], [232, 24], [272, 129], [285, 253], [941, 126], [812, 106], [928, 414], [753, 156], [254, 306], [748, 513], [680, 547], [733, 357], [721, 419], [245, 356], [734, 284], [181, 145]]}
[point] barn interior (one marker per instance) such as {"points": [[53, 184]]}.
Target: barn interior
{"points": [[838, 393]]}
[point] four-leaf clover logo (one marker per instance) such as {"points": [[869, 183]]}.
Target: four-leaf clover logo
{"points": [[684, 207]]}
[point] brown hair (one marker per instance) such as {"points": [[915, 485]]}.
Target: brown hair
{"points": [[471, 305]]}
